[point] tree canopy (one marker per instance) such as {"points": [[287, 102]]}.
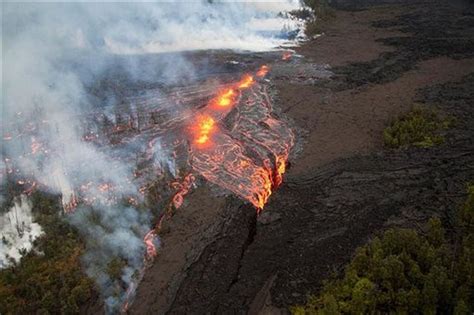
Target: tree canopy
{"points": [[404, 272]]}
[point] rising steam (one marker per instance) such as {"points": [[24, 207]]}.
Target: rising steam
{"points": [[53, 57]]}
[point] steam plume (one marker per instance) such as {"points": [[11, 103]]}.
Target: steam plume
{"points": [[54, 54]]}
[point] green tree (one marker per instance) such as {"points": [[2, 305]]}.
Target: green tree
{"points": [[404, 272], [49, 280]]}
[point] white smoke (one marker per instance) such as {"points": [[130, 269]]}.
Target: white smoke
{"points": [[114, 234], [54, 52], [17, 231]]}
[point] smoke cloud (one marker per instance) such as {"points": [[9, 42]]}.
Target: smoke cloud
{"points": [[18, 231], [54, 55]]}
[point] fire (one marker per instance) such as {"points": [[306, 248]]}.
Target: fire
{"points": [[70, 203], [226, 98], [262, 71], [205, 126], [246, 82]]}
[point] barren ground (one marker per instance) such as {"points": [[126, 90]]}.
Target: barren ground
{"points": [[343, 187]]}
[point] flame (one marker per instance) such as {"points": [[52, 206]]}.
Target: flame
{"points": [[246, 82], [262, 71], [70, 204]]}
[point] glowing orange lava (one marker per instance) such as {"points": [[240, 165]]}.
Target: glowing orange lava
{"points": [[226, 98], [262, 71], [183, 189], [205, 126], [280, 169], [248, 159], [246, 82], [150, 247], [228, 166]]}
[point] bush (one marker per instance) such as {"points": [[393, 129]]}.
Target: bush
{"points": [[420, 128], [405, 272], [50, 279]]}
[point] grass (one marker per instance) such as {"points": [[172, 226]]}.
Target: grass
{"points": [[405, 272], [420, 127]]}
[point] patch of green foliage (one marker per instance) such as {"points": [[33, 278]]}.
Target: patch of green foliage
{"points": [[323, 12], [404, 272], [420, 127], [50, 279]]}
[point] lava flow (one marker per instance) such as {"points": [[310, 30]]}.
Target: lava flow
{"points": [[151, 239], [244, 150], [262, 71], [226, 98], [205, 126]]}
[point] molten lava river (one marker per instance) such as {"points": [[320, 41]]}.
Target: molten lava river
{"points": [[235, 141], [238, 143], [229, 134]]}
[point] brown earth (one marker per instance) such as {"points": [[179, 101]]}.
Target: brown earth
{"points": [[349, 37], [343, 187]]}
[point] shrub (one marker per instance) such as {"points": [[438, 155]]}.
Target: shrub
{"points": [[50, 279], [420, 128], [405, 272]]}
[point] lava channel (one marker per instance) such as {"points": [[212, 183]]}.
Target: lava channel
{"points": [[245, 148]]}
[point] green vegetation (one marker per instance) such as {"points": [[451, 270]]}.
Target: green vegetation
{"points": [[50, 279], [420, 127], [405, 272], [323, 13]]}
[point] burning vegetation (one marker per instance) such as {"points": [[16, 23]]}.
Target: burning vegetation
{"points": [[116, 130], [234, 140]]}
